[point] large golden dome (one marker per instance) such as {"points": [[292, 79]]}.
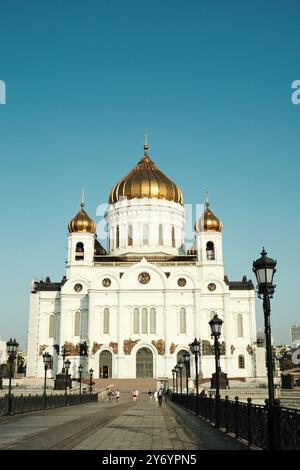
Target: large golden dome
{"points": [[146, 180], [208, 222], [82, 222]]}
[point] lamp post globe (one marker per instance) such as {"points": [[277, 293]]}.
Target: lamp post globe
{"points": [[264, 269], [11, 347], [47, 358], [216, 328], [195, 346]]}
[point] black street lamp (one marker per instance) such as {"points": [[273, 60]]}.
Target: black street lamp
{"points": [[187, 367], [173, 374], [11, 347], [216, 327], [91, 380], [264, 269], [80, 370], [195, 349], [63, 355], [67, 364], [180, 367], [176, 372], [47, 358]]}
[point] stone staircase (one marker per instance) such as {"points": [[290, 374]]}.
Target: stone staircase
{"points": [[127, 385], [290, 399]]}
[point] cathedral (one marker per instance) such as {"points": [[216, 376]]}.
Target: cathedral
{"points": [[131, 310]]}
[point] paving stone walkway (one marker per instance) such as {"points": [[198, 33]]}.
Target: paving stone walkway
{"points": [[128, 425]]}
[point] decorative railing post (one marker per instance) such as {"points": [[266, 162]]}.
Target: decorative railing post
{"points": [[236, 416], [249, 418], [226, 412], [204, 405], [210, 407], [276, 424], [200, 405]]}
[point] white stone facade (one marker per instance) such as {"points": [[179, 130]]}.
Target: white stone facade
{"points": [[105, 303], [3, 353]]}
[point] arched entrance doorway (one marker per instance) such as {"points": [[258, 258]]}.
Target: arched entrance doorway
{"points": [[105, 365], [144, 363], [180, 357]]}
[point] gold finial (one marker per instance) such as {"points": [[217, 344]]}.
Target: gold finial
{"points": [[82, 198], [206, 198], [146, 142]]}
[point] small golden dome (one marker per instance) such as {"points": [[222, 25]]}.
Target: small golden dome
{"points": [[208, 222], [146, 180], [82, 222]]}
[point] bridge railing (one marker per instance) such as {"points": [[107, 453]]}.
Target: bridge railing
{"points": [[246, 421], [27, 403]]}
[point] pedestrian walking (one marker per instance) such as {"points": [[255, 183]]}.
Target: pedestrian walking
{"points": [[137, 394], [160, 396], [109, 393], [155, 396], [150, 395], [134, 395], [117, 396]]}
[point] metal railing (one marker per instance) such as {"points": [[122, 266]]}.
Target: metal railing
{"points": [[27, 403], [246, 421]]}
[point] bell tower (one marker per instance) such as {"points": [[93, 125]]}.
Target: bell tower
{"points": [[209, 242], [81, 239]]}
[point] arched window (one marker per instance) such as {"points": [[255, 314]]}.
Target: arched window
{"points": [[182, 320], [239, 325], [212, 314], [105, 364], [144, 321], [160, 235], [77, 324], [117, 236], [210, 251], [79, 252], [136, 321], [241, 360], [129, 236], [51, 326], [152, 320], [173, 237], [106, 321], [145, 234]]}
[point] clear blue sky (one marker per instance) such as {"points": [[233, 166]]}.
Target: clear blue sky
{"points": [[212, 83]]}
